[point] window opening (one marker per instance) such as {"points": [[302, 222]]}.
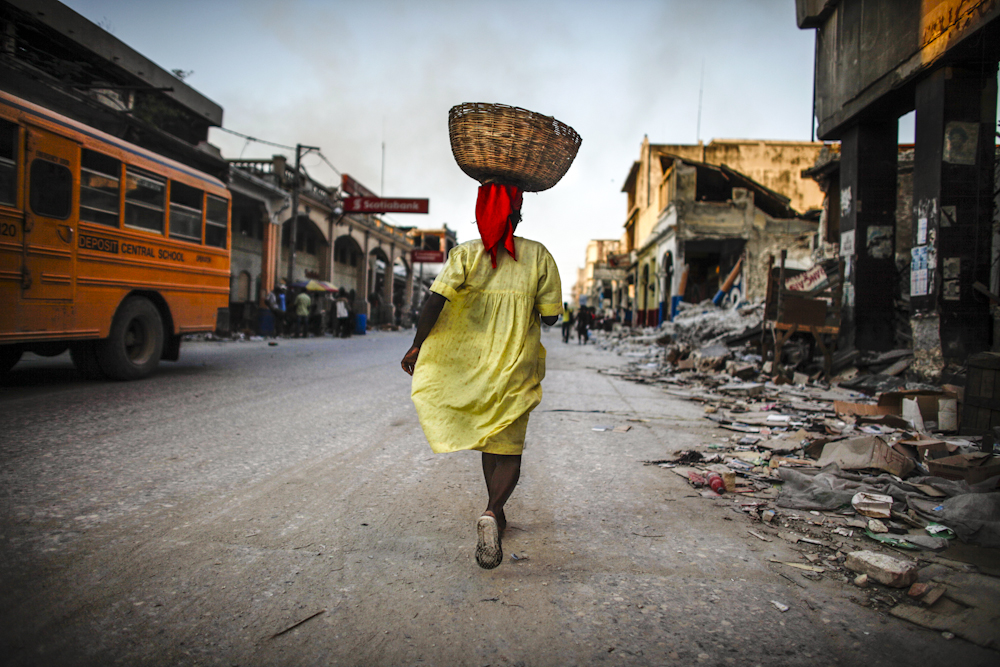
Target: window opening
{"points": [[144, 200], [8, 162], [216, 222], [51, 189], [185, 212], [100, 191]]}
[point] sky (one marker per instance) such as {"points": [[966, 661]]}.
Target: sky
{"points": [[371, 84]]}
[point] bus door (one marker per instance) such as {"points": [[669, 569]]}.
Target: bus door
{"points": [[49, 227]]}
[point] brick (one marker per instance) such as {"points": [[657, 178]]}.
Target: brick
{"points": [[884, 569]]}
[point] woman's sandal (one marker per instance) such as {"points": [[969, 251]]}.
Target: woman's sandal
{"points": [[489, 554]]}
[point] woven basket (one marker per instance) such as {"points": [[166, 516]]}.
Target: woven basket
{"points": [[503, 144]]}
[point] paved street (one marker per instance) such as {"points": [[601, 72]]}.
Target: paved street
{"points": [[197, 516]]}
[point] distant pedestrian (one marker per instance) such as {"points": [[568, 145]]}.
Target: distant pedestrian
{"points": [[567, 322], [343, 314], [302, 305], [276, 304], [582, 325]]}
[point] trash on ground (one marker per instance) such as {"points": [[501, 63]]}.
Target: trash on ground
{"points": [[794, 454], [872, 505]]}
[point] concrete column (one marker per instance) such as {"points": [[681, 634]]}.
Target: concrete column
{"points": [[328, 259], [268, 260], [867, 231], [953, 203], [366, 273], [408, 290], [390, 279]]}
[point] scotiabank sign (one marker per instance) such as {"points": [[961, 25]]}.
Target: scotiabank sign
{"points": [[428, 257], [385, 205]]}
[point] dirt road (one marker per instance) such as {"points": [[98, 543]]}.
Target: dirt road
{"points": [[297, 485]]}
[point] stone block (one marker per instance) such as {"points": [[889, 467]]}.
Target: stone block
{"points": [[887, 570]]}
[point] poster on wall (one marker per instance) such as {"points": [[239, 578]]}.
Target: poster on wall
{"points": [[880, 239], [847, 244], [919, 272], [960, 142]]}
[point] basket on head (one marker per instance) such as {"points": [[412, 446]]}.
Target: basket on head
{"points": [[504, 144]]}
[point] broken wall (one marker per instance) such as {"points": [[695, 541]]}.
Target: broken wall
{"points": [[767, 238]]}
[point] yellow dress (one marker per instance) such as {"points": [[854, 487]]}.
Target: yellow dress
{"points": [[479, 372]]}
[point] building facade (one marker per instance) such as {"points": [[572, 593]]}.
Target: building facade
{"points": [[692, 215], [360, 253], [876, 61]]}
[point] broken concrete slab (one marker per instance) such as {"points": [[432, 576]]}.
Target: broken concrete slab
{"points": [[969, 608], [884, 569]]}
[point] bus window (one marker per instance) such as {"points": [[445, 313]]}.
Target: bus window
{"points": [[51, 189], [185, 212], [144, 194], [100, 195], [8, 163], [216, 222]]}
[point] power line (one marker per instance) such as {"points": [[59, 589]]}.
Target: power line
{"points": [[328, 163], [259, 141], [271, 143]]}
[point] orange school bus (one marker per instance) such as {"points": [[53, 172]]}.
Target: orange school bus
{"points": [[106, 249]]}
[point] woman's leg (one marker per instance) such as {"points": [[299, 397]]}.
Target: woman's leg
{"points": [[502, 473]]}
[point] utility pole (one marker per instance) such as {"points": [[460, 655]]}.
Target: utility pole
{"points": [[295, 208]]}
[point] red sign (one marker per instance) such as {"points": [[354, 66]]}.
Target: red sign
{"points": [[428, 257], [353, 188], [380, 205]]}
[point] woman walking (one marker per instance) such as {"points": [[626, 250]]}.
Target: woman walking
{"points": [[477, 361]]}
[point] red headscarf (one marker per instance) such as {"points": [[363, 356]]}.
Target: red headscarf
{"points": [[495, 208]]}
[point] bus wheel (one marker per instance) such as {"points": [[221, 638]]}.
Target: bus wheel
{"points": [[9, 355], [84, 356], [134, 347]]}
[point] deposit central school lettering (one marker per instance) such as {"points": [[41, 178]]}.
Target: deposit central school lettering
{"points": [[99, 244], [140, 250], [113, 247]]}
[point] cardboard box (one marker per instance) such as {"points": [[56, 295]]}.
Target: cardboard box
{"points": [[927, 400], [972, 468], [846, 408], [868, 451], [927, 449]]}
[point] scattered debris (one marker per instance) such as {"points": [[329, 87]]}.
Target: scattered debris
{"points": [[297, 624], [779, 606], [965, 607], [798, 566], [868, 464]]}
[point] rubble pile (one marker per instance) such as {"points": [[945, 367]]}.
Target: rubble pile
{"points": [[705, 325], [867, 480]]}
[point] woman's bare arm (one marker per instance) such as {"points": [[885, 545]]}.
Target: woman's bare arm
{"points": [[428, 318]]}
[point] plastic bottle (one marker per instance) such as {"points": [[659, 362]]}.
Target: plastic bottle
{"points": [[715, 481]]}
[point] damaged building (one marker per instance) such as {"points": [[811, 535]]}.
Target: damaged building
{"points": [[691, 220], [876, 61]]}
